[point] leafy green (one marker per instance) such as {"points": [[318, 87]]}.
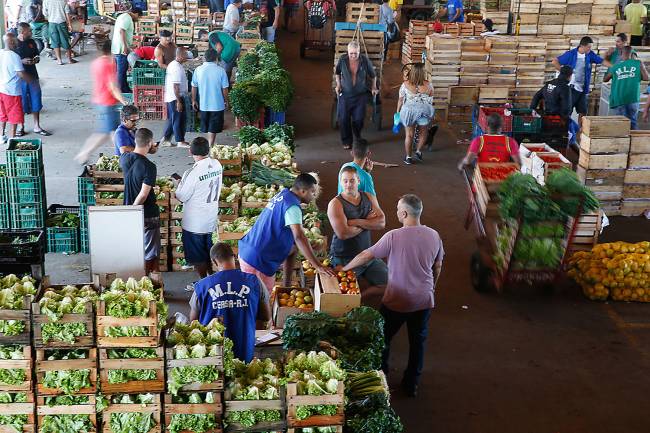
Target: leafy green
{"points": [[15, 421], [250, 418], [12, 293], [358, 336], [248, 135], [570, 193], [132, 422], [56, 303], [65, 219], [67, 381], [276, 133], [131, 299], [70, 423], [198, 423], [12, 376], [522, 197], [372, 414], [127, 375], [304, 412]]}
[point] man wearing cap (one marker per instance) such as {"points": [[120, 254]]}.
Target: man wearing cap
{"points": [[556, 94], [122, 42], [165, 52]]}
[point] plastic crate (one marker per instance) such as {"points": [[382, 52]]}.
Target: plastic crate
{"points": [[24, 163], [62, 240], [27, 215], [148, 76], [86, 190], [4, 187], [22, 246], [554, 123], [485, 112], [84, 246], [524, 122], [26, 190], [271, 117], [5, 222], [145, 95], [83, 216], [153, 112]]}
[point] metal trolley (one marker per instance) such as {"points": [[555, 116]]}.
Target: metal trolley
{"points": [[322, 38]]}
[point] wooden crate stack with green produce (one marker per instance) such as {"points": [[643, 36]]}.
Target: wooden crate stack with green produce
{"points": [[176, 235], [636, 184], [604, 149]]}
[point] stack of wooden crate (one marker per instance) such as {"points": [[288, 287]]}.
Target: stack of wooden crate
{"points": [[528, 13], [555, 47], [636, 188], [362, 12], [178, 10], [192, 10], [147, 26], [498, 11], [531, 56], [577, 18], [551, 17], [443, 69], [603, 17], [183, 32], [414, 42], [502, 69], [153, 8], [604, 149], [462, 100], [473, 62]]}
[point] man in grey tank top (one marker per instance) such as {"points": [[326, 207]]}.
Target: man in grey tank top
{"points": [[353, 214]]}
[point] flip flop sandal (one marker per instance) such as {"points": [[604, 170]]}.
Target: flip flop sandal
{"points": [[43, 132], [20, 133]]}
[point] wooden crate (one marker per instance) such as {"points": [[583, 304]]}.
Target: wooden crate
{"points": [[329, 299], [361, 12], [103, 321], [87, 318], [43, 410], [294, 400], [636, 191], [23, 314], [587, 230], [604, 145], [135, 386], [241, 405], [639, 141], [28, 408], [463, 96], [234, 167], [216, 361], [639, 176], [43, 365], [599, 178], [493, 95], [604, 162], [280, 312], [172, 409], [605, 126], [634, 207], [26, 364], [154, 408], [639, 160]]}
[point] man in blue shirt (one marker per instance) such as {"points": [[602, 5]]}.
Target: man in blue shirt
{"points": [[210, 82], [270, 242], [239, 298], [580, 59], [363, 164], [454, 11], [124, 138]]}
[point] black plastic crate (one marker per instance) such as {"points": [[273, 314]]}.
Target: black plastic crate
{"points": [[22, 246]]}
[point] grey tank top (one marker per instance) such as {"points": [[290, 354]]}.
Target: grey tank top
{"points": [[351, 247]]}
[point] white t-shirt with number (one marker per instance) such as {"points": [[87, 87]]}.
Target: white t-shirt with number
{"points": [[199, 190]]}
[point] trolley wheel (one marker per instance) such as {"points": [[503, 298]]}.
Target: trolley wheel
{"points": [[302, 50], [480, 274], [334, 118]]}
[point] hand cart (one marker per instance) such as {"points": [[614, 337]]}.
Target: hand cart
{"points": [[318, 36], [486, 275]]}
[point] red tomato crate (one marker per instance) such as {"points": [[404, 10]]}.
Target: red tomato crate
{"points": [[484, 113], [148, 95]]}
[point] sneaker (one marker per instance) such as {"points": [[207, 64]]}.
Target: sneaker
{"points": [[418, 155], [183, 145], [408, 160], [189, 287], [164, 142]]}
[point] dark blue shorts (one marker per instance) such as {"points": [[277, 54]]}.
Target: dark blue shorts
{"points": [[197, 247], [31, 97]]}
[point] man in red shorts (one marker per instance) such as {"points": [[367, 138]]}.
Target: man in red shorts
{"points": [[11, 72]]}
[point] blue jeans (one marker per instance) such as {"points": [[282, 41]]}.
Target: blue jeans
{"points": [[268, 33], [631, 111], [122, 67], [176, 121], [417, 324]]}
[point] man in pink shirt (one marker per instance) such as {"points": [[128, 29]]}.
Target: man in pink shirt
{"points": [[105, 97], [414, 254]]}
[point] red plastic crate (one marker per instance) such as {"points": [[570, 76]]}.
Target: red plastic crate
{"points": [[148, 95], [484, 113], [152, 111]]}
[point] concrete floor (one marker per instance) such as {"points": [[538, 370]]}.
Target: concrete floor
{"points": [[523, 361]]}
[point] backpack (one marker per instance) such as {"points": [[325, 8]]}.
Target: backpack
{"points": [[316, 15], [392, 32]]}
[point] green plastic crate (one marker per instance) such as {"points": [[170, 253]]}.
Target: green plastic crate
{"points": [[27, 215], [26, 190], [83, 216], [5, 221], [86, 190], [63, 240], [149, 76], [24, 163], [524, 122], [84, 246]]}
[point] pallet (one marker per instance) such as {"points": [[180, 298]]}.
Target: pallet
{"points": [[103, 321], [136, 386], [26, 364], [241, 405], [28, 408], [171, 409], [43, 410], [43, 366], [39, 319], [216, 361], [294, 400], [24, 314], [155, 408]]}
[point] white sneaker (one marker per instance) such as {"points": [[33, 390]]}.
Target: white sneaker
{"points": [[183, 145], [164, 143], [189, 287]]}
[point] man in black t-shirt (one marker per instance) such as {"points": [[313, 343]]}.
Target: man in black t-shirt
{"points": [[270, 9], [139, 181], [32, 100]]}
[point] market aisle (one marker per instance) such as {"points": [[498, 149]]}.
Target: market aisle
{"points": [[522, 362]]}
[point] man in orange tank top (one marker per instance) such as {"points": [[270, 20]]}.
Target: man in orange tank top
{"points": [[492, 147]]}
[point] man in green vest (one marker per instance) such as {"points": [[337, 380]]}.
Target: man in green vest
{"points": [[626, 81]]}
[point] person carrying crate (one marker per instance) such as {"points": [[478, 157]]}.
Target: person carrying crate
{"points": [[493, 146], [556, 95]]}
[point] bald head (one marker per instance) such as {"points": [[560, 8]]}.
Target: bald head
{"points": [[181, 54], [9, 41]]}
